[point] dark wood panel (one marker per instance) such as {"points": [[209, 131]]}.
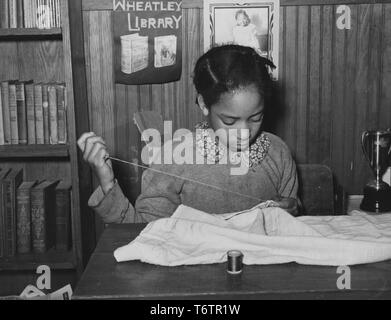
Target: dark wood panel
{"points": [[188, 4], [362, 91]]}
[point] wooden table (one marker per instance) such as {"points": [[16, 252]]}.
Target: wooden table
{"points": [[104, 278]]}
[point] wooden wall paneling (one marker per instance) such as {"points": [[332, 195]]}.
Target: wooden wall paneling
{"points": [[314, 119], [350, 138], [134, 143], [302, 83], [274, 117], [156, 98], [375, 72], [127, 139], [338, 114], [107, 80], [194, 51], [181, 85], [169, 103], [385, 75], [326, 65], [291, 74], [145, 96], [361, 168]]}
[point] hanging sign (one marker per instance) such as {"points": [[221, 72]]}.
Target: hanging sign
{"points": [[148, 41]]}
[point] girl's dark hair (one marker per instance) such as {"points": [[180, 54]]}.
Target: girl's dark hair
{"points": [[231, 67]]}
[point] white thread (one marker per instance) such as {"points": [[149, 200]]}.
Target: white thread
{"points": [[186, 179]]}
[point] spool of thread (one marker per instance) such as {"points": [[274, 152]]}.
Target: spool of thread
{"points": [[234, 262]]}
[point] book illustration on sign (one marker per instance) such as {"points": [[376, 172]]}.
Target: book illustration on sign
{"points": [[165, 51], [134, 53]]}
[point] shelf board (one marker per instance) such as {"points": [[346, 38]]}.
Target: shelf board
{"points": [[30, 32], [34, 151], [53, 259]]}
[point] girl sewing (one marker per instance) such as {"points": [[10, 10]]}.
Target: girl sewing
{"points": [[233, 87]]}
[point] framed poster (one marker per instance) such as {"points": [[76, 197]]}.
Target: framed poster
{"points": [[253, 23], [148, 41]]}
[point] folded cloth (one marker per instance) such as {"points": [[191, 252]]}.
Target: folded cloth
{"points": [[264, 236]]}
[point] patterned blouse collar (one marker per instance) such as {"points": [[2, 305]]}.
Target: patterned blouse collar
{"points": [[214, 151]]}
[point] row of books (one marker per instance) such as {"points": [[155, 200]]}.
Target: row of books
{"points": [[35, 216], [42, 14], [33, 113]]}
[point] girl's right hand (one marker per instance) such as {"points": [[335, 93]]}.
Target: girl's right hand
{"points": [[95, 154]]}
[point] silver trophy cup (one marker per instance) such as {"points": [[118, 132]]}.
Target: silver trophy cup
{"points": [[376, 146]]}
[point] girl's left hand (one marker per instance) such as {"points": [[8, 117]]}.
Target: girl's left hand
{"points": [[288, 204]]}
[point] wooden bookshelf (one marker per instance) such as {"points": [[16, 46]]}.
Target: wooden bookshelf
{"points": [[53, 56], [30, 261], [32, 32], [34, 151]]}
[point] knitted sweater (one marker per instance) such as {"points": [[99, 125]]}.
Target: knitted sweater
{"points": [[161, 194]]}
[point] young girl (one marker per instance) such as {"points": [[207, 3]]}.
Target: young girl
{"points": [[233, 88], [245, 33]]}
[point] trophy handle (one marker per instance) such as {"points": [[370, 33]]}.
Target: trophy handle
{"points": [[389, 150], [363, 136]]}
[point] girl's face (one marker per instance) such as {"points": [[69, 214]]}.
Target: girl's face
{"points": [[241, 20], [242, 112]]}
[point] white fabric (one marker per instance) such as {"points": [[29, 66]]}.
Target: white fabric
{"points": [[265, 236]]}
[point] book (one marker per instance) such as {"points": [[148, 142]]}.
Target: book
{"points": [[39, 125], [34, 8], [6, 112], [3, 174], [4, 14], [134, 53], [20, 13], [13, 108], [43, 206], [23, 217], [53, 117], [30, 112], [9, 186], [1, 122], [58, 14], [45, 109], [22, 110], [165, 51], [13, 13], [63, 216], [27, 8], [61, 114]]}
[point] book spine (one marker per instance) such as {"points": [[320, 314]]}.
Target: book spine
{"points": [[62, 219], [39, 130], [31, 135], [38, 221], [13, 114], [53, 117], [58, 13], [4, 14], [21, 110], [9, 220], [51, 8], [2, 142], [45, 108], [20, 13], [27, 13], [6, 112], [13, 13], [62, 114], [23, 219], [34, 10]]}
